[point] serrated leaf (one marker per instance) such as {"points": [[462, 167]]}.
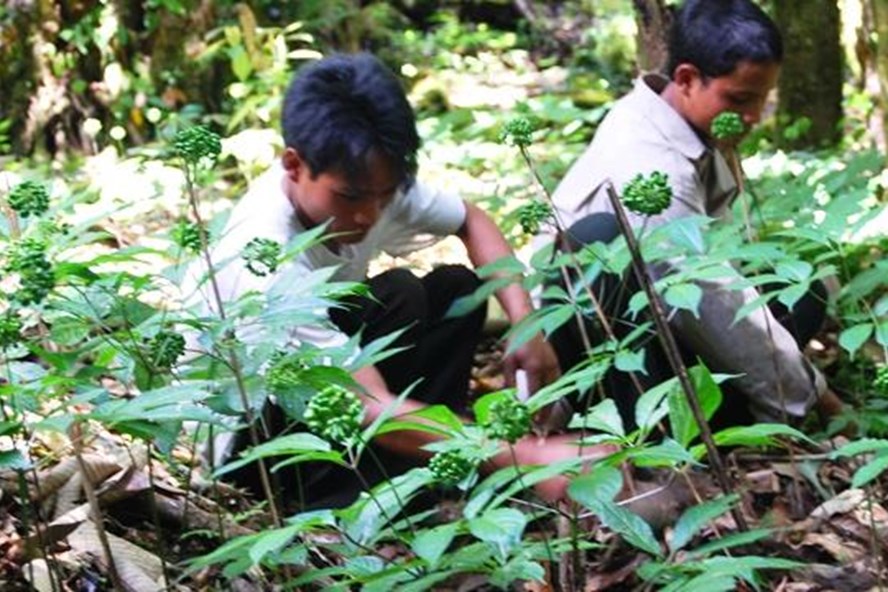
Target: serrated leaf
{"points": [[684, 297], [860, 447], [852, 338], [697, 517], [761, 434], [794, 271], [630, 361], [631, 527], [601, 484], [870, 471], [604, 417], [431, 544]]}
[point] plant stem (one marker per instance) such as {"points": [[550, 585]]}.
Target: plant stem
{"points": [[670, 346], [96, 510], [233, 361]]}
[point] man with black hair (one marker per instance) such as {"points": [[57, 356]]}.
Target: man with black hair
{"points": [[350, 162], [724, 55]]}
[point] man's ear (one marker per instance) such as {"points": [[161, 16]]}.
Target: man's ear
{"points": [[685, 75], [294, 164]]}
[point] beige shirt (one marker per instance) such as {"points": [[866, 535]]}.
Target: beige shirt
{"points": [[641, 134]]}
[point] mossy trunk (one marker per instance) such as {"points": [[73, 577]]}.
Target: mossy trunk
{"points": [[880, 24], [653, 20], [810, 88]]}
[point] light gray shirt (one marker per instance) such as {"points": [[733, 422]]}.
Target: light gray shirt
{"points": [[642, 133], [414, 219]]}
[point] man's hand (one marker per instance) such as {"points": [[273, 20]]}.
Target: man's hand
{"points": [[533, 450], [538, 360]]}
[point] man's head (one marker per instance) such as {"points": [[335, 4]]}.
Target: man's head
{"points": [[724, 55], [351, 142]]}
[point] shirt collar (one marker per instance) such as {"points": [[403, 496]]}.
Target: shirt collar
{"points": [[674, 128]]}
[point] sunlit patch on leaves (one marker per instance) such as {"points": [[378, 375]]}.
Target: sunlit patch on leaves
{"points": [[165, 348], [261, 256], [29, 198], [335, 414], [451, 467], [517, 132], [533, 215], [27, 258], [648, 195], [727, 125], [196, 143], [509, 419]]}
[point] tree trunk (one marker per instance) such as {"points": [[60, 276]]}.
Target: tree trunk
{"points": [[653, 21], [880, 22], [811, 79]]}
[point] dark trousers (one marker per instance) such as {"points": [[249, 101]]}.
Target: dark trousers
{"points": [[614, 291], [438, 351]]}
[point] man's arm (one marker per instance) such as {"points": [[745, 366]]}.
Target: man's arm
{"points": [[485, 244], [530, 450]]}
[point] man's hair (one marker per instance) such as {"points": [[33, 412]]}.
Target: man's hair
{"points": [[341, 108], [715, 35]]}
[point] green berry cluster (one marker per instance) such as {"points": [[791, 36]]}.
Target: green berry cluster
{"points": [[284, 373], [532, 215], [880, 383], [165, 348], [261, 255], [335, 413], [727, 125], [28, 259], [187, 235], [517, 132], [10, 329], [451, 467], [196, 143], [29, 198], [509, 419], [648, 195]]}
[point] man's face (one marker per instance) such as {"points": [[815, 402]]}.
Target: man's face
{"points": [[352, 206], [743, 91]]}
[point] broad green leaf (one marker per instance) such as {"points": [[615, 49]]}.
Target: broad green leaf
{"points": [[860, 447], [788, 297], [703, 583], [501, 527], [630, 361], [870, 471], [630, 526], [697, 517], [730, 541], [466, 304], [668, 453], [13, 459], [651, 406], [603, 417], [546, 320], [602, 484], [684, 426], [300, 445], [852, 338], [794, 271], [270, 542], [760, 434], [684, 297], [431, 544], [882, 334]]}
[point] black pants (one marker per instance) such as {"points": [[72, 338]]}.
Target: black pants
{"points": [[614, 291], [438, 350]]}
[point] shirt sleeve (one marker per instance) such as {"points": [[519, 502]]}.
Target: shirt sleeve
{"points": [[422, 216], [773, 373]]}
